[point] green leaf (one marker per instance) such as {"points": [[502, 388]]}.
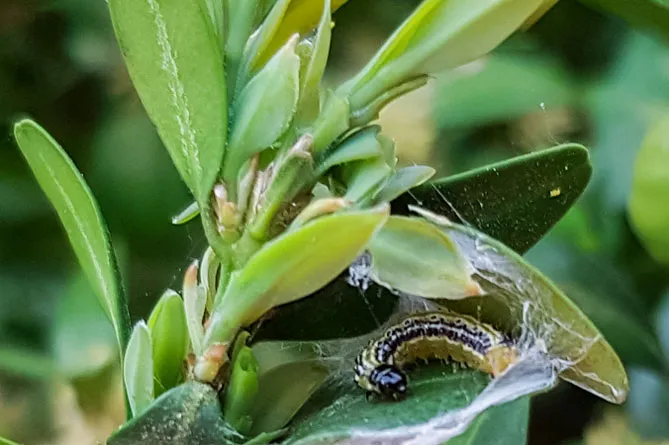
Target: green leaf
{"points": [[83, 340], [500, 425], [78, 212], [647, 204], [605, 293], [186, 215], [218, 14], [242, 19], [300, 18], [448, 32], [289, 374], [650, 14], [364, 179], [170, 341], [138, 369], [362, 114], [415, 257], [264, 109], [319, 251], [520, 85], [434, 390], [549, 182], [175, 62], [404, 179], [262, 38], [242, 390], [4, 441], [519, 297], [362, 145], [332, 121], [186, 415], [313, 72]]}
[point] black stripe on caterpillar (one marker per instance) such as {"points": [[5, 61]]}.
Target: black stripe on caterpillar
{"points": [[441, 335]]}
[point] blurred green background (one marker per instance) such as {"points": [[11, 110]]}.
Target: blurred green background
{"points": [[577, 75]]}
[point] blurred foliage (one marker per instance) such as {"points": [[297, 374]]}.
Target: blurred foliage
{"points": [[577, 75]]}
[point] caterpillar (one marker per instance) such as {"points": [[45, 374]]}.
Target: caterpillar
{"points": [[442, 335]]}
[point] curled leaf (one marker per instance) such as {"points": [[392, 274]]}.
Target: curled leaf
{"points": [[519, 297], [414, 256]]}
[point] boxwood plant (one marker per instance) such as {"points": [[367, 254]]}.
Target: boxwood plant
{"points": [[293, 183]]}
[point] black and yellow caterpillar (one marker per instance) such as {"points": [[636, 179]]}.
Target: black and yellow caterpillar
{"points": [[440, 335]]}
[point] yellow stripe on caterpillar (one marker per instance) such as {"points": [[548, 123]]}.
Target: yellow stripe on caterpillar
{"points": [[440, 335]]}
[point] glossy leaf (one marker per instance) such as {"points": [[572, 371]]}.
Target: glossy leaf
{"points": [[185, 415], [138, 369], [74, 203], [83, 340], [505, 424], [647, 204], [319, 251], [265, 108], [451, 32], [4, 441], [606, 294], [519, 297], [333, 414], [415, 257], [170, 341], [175, 62], [549, 181]]}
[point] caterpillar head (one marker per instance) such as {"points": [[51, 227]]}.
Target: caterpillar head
{"points": [[386, 380]]}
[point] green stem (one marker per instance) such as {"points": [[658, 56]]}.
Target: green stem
{"points": [[217, 243]]}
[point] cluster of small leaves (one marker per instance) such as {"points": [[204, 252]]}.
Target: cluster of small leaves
{"points": [[292, 183]]}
